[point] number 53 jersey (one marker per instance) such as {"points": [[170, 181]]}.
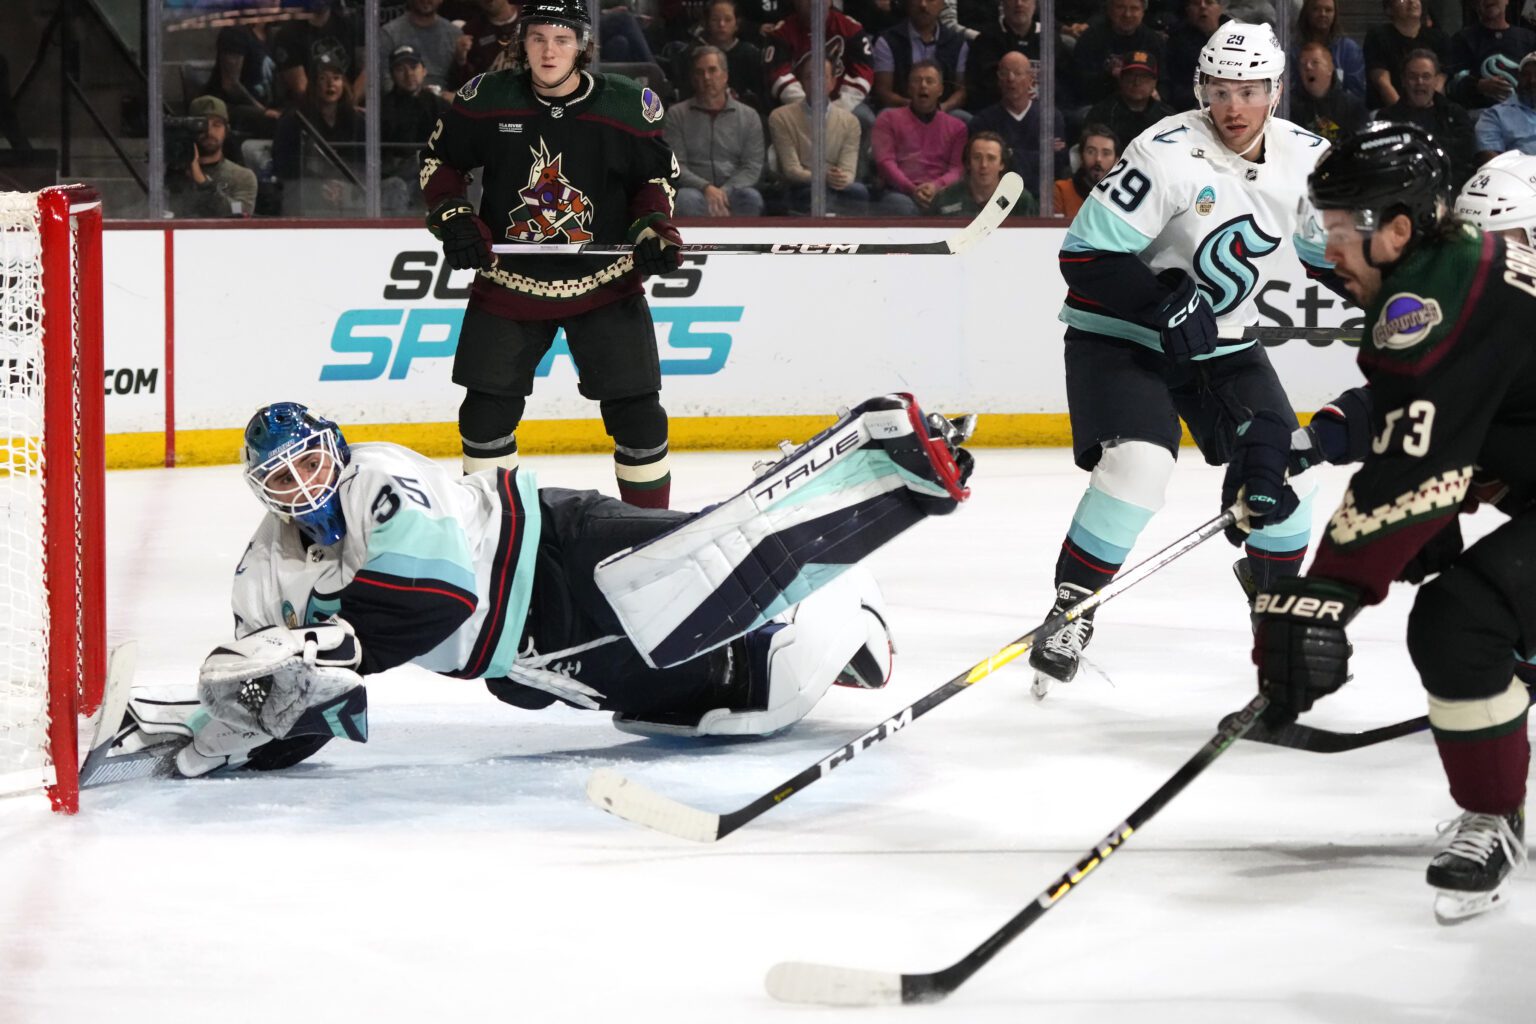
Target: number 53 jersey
{"points": [[1180, 199]]}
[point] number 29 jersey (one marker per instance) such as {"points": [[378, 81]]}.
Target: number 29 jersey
{"points": [[1180, 199]]}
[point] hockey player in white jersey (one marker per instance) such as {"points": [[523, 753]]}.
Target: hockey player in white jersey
{"points": [[1162, 264], [731, 622]]}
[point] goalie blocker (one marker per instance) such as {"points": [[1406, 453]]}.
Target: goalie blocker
{"points": [[773, 609]]}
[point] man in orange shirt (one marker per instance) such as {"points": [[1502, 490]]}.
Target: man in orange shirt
{"points": [[1100, 149]]}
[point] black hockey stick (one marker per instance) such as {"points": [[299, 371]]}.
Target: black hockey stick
{"points": [[848, 986], [996, 210], [1347, 335], [616, 794], [1326, 741]]}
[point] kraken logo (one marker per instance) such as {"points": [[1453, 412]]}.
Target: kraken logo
{"points": [[1225, 258]]}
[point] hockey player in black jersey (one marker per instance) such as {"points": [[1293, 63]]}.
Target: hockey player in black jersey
{"points": [[1452, 377], [567, 156]]}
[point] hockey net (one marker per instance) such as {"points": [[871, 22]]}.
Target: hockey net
{"points": [[52, 472]]}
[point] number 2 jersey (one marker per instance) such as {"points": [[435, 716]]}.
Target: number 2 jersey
{"points": [[1181, 199], [435, 569]]}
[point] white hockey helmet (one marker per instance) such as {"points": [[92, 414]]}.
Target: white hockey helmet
{"points": [[1501, 196], [1241, 52]]}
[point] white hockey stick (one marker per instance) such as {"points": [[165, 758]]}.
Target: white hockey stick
{"points": [[996, 210]]}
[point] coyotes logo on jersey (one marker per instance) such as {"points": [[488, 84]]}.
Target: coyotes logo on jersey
{"points": [[552, 206]]}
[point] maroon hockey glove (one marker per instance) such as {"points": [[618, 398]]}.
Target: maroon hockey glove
{"points": [[1299, 644], [657, 246], [466, 238]]}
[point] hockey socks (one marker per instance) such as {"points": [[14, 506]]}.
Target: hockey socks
{"points": [[1484, 747], [644, 476], [1103, 531]]}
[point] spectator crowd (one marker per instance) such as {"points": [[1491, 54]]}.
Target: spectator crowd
{"points": [[928, 101]]}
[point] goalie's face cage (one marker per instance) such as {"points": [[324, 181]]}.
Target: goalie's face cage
{"points": [[299, 482]]}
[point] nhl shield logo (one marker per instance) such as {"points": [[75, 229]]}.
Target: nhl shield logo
{"points": [[650, 106], [1406, 319], [1205, 202]]}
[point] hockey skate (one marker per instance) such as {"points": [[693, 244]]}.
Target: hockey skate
{"points": [[1055, 660], [1471, 872]]}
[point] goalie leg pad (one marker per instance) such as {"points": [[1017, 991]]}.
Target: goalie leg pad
{"points": [[727, 571]]}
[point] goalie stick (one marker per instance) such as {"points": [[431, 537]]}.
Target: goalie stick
{"points": [[613, 792], [996, 210], [848, 986]]}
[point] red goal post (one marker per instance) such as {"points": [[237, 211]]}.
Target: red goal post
{"points": [[52, 482]]}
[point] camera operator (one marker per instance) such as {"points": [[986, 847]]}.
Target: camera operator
{"points": [[199, 181]]}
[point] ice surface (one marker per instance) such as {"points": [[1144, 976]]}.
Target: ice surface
{"points": [[451, 870]]}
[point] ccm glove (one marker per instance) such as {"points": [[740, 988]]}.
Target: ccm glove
{"points": [[466, 238], [1256, 475], [658, 246], [1299, 643], [1184, 319]]}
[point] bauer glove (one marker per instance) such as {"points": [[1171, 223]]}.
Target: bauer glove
{"points": [[466, 238], [1299, 644], [1256, 475], [658, 246], [1184, 318]]}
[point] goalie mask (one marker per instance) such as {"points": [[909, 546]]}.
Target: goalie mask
{"points": [[293, 461]]}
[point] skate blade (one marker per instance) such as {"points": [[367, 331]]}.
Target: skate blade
{"points": [[1453, 907], [1041, 686]]}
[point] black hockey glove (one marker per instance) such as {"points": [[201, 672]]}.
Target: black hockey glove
{"points": [[1340, 432], [1257, 474], [1184, 318], [1299, 643], [658, 246], [1435, 556], [466, 238]]}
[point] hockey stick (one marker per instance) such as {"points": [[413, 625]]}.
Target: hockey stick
{"points": [[1326, 741], [1274, 335], [848, 986], [996, 210], [614, 793]]}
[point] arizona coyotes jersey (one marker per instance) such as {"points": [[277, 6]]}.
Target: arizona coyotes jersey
{"points": [[435, 568], [583, 168], [1180, 199]]}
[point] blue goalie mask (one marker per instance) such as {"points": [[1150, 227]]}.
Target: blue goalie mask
{"points": [[293, 461]]}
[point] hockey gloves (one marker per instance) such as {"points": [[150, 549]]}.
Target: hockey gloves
{"points": [[466, 238], [1184, 318], [1256, 475], [658, 246], [1299, 643], [1340, 432]]}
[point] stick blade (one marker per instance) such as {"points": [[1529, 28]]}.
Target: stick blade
{"points": [[611, 791], [823, 985], [992, 215]]}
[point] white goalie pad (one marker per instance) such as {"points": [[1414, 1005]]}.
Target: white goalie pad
{"points": [[729, 570]]}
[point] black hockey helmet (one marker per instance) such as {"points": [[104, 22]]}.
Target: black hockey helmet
{"points": [[1382, 170], [570, 13]]}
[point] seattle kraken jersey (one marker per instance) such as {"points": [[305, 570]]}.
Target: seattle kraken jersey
{"points": [[1180, 198], [435, 568]]}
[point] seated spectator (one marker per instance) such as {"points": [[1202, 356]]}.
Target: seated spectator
{"points": [[492, 32], [444, 47], [1098, 149], [1015, 30], [1512, 123], [1447, 120], [848, 48], [1318, 22], [919, 38], [206, 184], [875, 15], [743, 61], [790, 127], [407, 116], [917, 148], [1387, 46], [985, 158], [1485, 57], [317, 152], [1016, 118], [325, 34], [718, 142], [621, 36], [1098, 55], [1132, 110], [248, 95], [1185, 41], [1322, 104]]}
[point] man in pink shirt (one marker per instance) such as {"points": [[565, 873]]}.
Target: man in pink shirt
{"points": [[917, 148]]}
